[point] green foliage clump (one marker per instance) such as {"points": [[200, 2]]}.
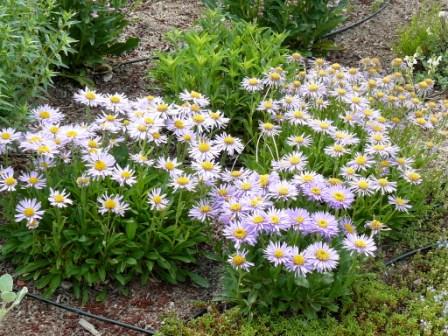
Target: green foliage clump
{"points": [[305, 22], [30, 49], [97, 29], [214, 58], [8, 298]]}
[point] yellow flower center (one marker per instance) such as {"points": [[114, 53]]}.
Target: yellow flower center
{"points": [[229, 140], [313, 87], [279, 253], [205, 209], [339, 196], [157, 199], [207, 165], [236, 173], [322, 223], [43, 149], [383, 182], [182, 180], [238, 260], [110, 204], [315, 190], [195, 94], [275, 76], [10, 181], [240, 233], [294, 160], [253, 81], [359, 243], [198, 118], [298, 114], [264, 180], [29, 212], [179, 124], [363, 185], [274, 219], [307, 178], [71, 134], [322, 255], [246, 186], [298, 260], [400, 201], [376, 224], [100, 165], [268, 104], [235, 207], [90, 95], [258, 219], [44, 114], [283, 190], [149, 121], [126, 174], [59, 198], [414, 176], [300, 219], [6, 136], [115, 99], [33, 180], [349, 228], [162, 108], [142, 128], [169, 165], [204, 147], [324, 125], [361, 160]]}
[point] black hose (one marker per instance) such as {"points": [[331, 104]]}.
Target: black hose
{"points": [[413, 252], [360, 22], [87, 314]]}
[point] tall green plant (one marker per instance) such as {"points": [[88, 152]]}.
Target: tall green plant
{"points": [[305, 22], [30, 49], [97, 30], [215, 58]]}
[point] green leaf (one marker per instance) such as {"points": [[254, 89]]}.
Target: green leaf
{"points": [[302, 282], [8, 297], [199, 280], [122, 47], [6, 283], [131, 229]]}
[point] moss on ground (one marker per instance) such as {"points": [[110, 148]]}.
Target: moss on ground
{"points": [[405, 300]]}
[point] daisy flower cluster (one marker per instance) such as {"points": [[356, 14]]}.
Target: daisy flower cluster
{"points": [[332, 175], [143, 160]]}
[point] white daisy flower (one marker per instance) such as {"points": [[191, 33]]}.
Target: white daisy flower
{"points": [[59, 199]]}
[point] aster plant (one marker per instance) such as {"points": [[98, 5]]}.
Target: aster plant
{"points": [[119, 197], [338, 167]]}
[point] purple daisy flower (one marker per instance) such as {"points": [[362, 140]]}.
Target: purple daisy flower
{"points": [[314, 191], [298, 218], [298, 262], [277, 253], [361, 244], [322, 223], [240, 234], [338, 197], [322, 257]]}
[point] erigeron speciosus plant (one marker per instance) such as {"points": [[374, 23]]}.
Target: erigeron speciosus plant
{"points": [[332, 170], [9, 298], [115, 198]]}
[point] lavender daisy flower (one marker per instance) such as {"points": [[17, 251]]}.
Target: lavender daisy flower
{"points": [[400, 204], [276, 220], [322, 223], [322, 257], [240, 234], [298, 262], [338, 197], [239, 261], [346, 224], [314, 191], [277, 253], [283, 190], [297, 218], [361, 244]]}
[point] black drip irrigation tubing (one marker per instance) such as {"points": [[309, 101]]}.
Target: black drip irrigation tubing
{"points": [[87, 314], [360, 22], [81, 312]]}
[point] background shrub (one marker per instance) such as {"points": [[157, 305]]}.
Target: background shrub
{"points": [[214, 58], [304, 21], [30, 49], [97, 29]]}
